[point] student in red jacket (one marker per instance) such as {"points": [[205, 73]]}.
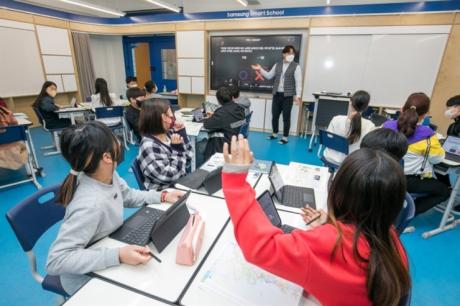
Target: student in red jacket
{"points": [[355, 258]]}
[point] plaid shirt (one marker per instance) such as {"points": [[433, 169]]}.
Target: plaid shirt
{"points": [[163, 164]]}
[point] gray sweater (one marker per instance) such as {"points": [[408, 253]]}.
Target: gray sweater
{"points": [[95, 211]]}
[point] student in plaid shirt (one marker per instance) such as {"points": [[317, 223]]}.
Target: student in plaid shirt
{"points": [[165, 150]]}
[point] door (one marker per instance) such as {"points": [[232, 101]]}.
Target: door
{"points": [[142, 63], [163, 59]]}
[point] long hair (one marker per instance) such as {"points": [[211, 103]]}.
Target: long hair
{"points": [[43, 93], [368, 193], [417, 105], [103, 91], [359, 102], [83, 147]]}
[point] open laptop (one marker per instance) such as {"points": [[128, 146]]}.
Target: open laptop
{"points": [[268, 206], [452, 148], [210, 180], [73, 104], [293, 196], [154, 224]]}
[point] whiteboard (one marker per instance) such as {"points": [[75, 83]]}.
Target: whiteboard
{"points": [[53, 41], [190, 44], [20, 61], [58, 64], [388, 62]]}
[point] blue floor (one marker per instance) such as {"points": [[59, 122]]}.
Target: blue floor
{"points": [[434, 263]]}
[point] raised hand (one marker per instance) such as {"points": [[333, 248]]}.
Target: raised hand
{"points": [[240, 152]]}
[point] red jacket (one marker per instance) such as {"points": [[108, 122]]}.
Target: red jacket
{"points": [[302, 257]]}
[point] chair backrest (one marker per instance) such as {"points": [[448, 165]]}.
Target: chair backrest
{"points": [[9, 134], [39, 116], [406, 215], [138, 174], [31, 218], [109, 112], [333, 141], [244, 129]]}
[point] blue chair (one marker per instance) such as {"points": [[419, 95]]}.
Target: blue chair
{"points": [[244, 129], [138, 174], [334, 142], [54, 134], [406, 215], [29, 220], [11, 134], [114, 112]]}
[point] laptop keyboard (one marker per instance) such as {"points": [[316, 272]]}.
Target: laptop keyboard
{"points": [[141, 234], [293, 196], [452, 157]]}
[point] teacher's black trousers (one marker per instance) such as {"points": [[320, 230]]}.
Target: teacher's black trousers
{"points": [[281, 104]]}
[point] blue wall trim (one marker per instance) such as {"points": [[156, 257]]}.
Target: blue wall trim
{"points": [[388, 8]]}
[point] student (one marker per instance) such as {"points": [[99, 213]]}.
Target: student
{"points": [[223, 123], [131, 82], [150, 89], [135, 96], [424, 151], [453, 112], [242, 101], [165, 150], [94, 195], [352, 126], [391, 142], [46, 106], [102, 98], [12, 155], [355, 258]]}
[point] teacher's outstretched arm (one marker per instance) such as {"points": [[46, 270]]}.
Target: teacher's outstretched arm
{"points": [[268, 75]]}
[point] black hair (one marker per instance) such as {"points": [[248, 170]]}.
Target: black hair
{"points": [[134, 93], [368, 193], [417, 104], [43, 93], [360, 102], [150, 86], [392, 142], [150, 119], [83, 147], [454, 101], [234, 90], [223, 95], [288, 49], [103, 91], [130, 79]]}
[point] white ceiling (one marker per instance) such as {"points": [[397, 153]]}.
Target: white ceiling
{"points": [[193, 6]]}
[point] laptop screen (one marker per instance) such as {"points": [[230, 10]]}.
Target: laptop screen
{"points": [[452, 145], [277, 181], [266, 202]]}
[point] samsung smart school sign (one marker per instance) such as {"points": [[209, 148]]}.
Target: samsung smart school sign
{"points": [[255, 14]]}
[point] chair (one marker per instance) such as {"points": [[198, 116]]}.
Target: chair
{"points": [[54, 133], [113, 112], [29, 220], [11, 134], [308, 110], [244, 129], [138, 174], [334, 142], [406, 215]]}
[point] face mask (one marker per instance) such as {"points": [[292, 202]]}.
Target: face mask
{"points": [[173, 122], [139, 103], [132, 85], [451, 113], [290, 58]]}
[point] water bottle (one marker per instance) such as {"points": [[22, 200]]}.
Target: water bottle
{"points": [[164, 88]]}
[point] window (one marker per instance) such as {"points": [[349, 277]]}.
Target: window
{"points": [[168, 64]]}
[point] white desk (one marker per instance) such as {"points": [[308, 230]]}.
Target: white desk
{"points": [[167, 280], [320, 187], [71, 113], [97, 292], [23, 120], [193, 130], [248, 284]]}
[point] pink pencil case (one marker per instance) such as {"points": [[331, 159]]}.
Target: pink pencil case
{"points": [[191, 240]]}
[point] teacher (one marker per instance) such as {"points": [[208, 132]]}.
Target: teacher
{"points": [[287, 88]]}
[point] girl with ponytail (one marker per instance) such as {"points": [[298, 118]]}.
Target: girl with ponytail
{"points": [[94, 196], [352, 126], [424, 151]]}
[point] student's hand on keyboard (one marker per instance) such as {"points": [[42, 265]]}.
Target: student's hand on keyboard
{"points": [[176, 139], [240, 152], [173, 195], [313, 217], [134, 255]]}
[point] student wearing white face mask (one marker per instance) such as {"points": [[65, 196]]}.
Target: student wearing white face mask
{"points": [[287, 89], [46, 106], [453, 112]]}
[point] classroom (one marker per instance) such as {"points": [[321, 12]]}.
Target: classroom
{"points": [[231, 152]]}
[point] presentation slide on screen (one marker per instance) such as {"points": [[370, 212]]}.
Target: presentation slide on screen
{"points": [[232, 57]]}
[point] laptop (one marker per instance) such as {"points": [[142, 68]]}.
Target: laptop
{"points": [[452, 148], [73, 104], [210, 180], [209, 107], [268, 206], [151, 224], [293, 196], [198, 115]]}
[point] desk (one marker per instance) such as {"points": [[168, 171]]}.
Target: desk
{"points": [[71, 113], [320, 187], [246, 284], [22, 120], [445, 223], [167, 280], [101, 293], [192, 128]]}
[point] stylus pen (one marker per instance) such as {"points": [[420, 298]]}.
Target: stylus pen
{"points": [[312, 220], [154, 257]]}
